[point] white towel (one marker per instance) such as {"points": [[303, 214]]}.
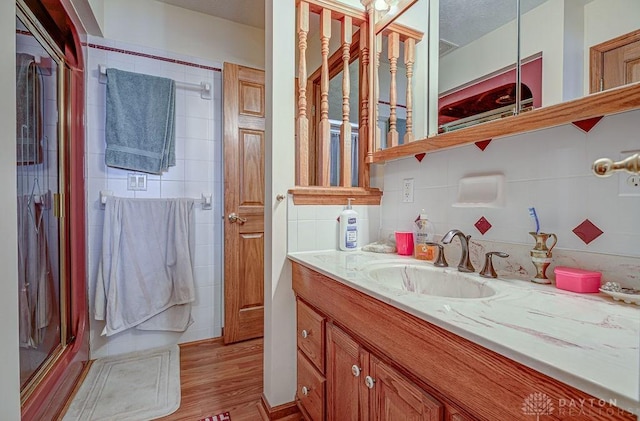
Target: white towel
{"points": [[145, 277], [35, 280]]}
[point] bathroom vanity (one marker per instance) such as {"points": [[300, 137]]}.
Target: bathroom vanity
{"points": [[370, 349]]}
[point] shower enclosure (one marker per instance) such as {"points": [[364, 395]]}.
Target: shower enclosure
{"points": [[38, 176], [50, 207]]}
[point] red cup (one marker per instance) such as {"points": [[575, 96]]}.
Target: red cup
{"points": [[404, 243]]}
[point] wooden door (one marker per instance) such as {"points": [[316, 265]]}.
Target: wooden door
{"points": [[244, 122], [615, 62], [397, 399], [347, 366]]}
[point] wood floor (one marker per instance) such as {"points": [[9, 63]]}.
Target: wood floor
{"points": [[216, 378]]}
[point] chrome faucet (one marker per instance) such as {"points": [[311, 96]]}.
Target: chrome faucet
{"points": [[465, 264]]}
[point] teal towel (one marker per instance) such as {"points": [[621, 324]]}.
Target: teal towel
{"points": [[140, 127]]}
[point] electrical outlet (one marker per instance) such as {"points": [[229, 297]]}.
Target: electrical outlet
{"points": [[629, 184], [407, 190]]}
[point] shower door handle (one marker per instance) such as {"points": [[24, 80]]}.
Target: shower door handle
{"points": [[234, 218]]}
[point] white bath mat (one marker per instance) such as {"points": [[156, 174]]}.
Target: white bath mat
{"points": [[139, 386]]}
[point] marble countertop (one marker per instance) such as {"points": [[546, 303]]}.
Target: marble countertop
{"points": [[587, 341]]}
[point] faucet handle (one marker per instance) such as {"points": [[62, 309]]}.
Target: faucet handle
{"points": [[440, 261], [488, 271]]}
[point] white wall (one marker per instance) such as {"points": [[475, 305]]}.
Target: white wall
{"points": [[9, 360], [198, 170], [549, 169], [279, 380], [174, 29]]}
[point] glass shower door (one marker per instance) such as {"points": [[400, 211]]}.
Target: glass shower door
{"points": [[40, 288]]}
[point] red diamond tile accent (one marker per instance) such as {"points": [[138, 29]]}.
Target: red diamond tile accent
{"points": [[588, 124], [587, 231], [483, 225], [420, 156], [482, 145]]}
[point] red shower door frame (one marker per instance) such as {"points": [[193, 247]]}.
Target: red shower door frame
{"points": [[50, 396]]}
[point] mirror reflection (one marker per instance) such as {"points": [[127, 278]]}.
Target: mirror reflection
{"points": [[478, 51], [568, 49], [564, 34]]}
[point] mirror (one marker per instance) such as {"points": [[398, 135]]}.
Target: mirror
{"points": [[562, 33], [478, 52]]}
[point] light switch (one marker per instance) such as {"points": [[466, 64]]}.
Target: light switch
{"points": [[136, 182]]}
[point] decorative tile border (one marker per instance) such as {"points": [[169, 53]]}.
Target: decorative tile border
{"points": [[151, 56], [587, 231], [483, 225], [588, 124], [482, 144]]}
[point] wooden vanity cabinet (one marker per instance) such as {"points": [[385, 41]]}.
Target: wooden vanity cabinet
{"points": [[361, 386], [310, 388], [419, 371]]}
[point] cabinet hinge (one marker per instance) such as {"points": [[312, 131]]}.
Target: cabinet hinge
{"points": [[601, 84]]}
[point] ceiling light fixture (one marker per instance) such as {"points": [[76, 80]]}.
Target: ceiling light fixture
{"points": [[381, 5]]}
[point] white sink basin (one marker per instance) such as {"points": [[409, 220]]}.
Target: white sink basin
{"points": [[429, 280]]}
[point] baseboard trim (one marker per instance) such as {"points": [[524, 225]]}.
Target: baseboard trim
{"points": [[285, 411]]}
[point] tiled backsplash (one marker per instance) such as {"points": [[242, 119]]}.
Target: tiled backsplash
{"points": [[313, 227], [198, 170], [549, 169]]}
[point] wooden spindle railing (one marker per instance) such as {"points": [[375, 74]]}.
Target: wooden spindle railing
{"points": [[302, 129], [313, 129], [365, 147], [409, 59], [393, 49], [325, 126], [345, 129], [374, 123]]}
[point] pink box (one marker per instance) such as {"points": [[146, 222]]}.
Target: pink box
{"points": [[404, 243], [577, 280]]}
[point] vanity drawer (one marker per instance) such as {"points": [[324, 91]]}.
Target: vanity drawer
{"points": [[310, 389], [310, 334]]}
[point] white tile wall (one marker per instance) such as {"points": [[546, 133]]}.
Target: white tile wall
{"points": [[198, 170], [312, 227], [549, 169]]}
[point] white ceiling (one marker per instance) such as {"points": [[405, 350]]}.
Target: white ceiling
{"points": [[247, 12], [462, 21]]}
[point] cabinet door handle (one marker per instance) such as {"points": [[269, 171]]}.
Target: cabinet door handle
{"points": [[304, 334], [355, 370], [305, 390], [369, 382]]}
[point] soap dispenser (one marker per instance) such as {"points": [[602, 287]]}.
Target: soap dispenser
{"points": [[425, 231], [348, 228]]}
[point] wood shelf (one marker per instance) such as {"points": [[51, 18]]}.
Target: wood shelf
{"points": [[612, 101], [335, 195]]}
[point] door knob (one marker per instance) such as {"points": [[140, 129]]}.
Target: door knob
{"points": [[305, 390], [233, 217]]}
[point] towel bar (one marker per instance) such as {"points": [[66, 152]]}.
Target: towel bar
{"points": [[206, 199], [203, 87]]}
